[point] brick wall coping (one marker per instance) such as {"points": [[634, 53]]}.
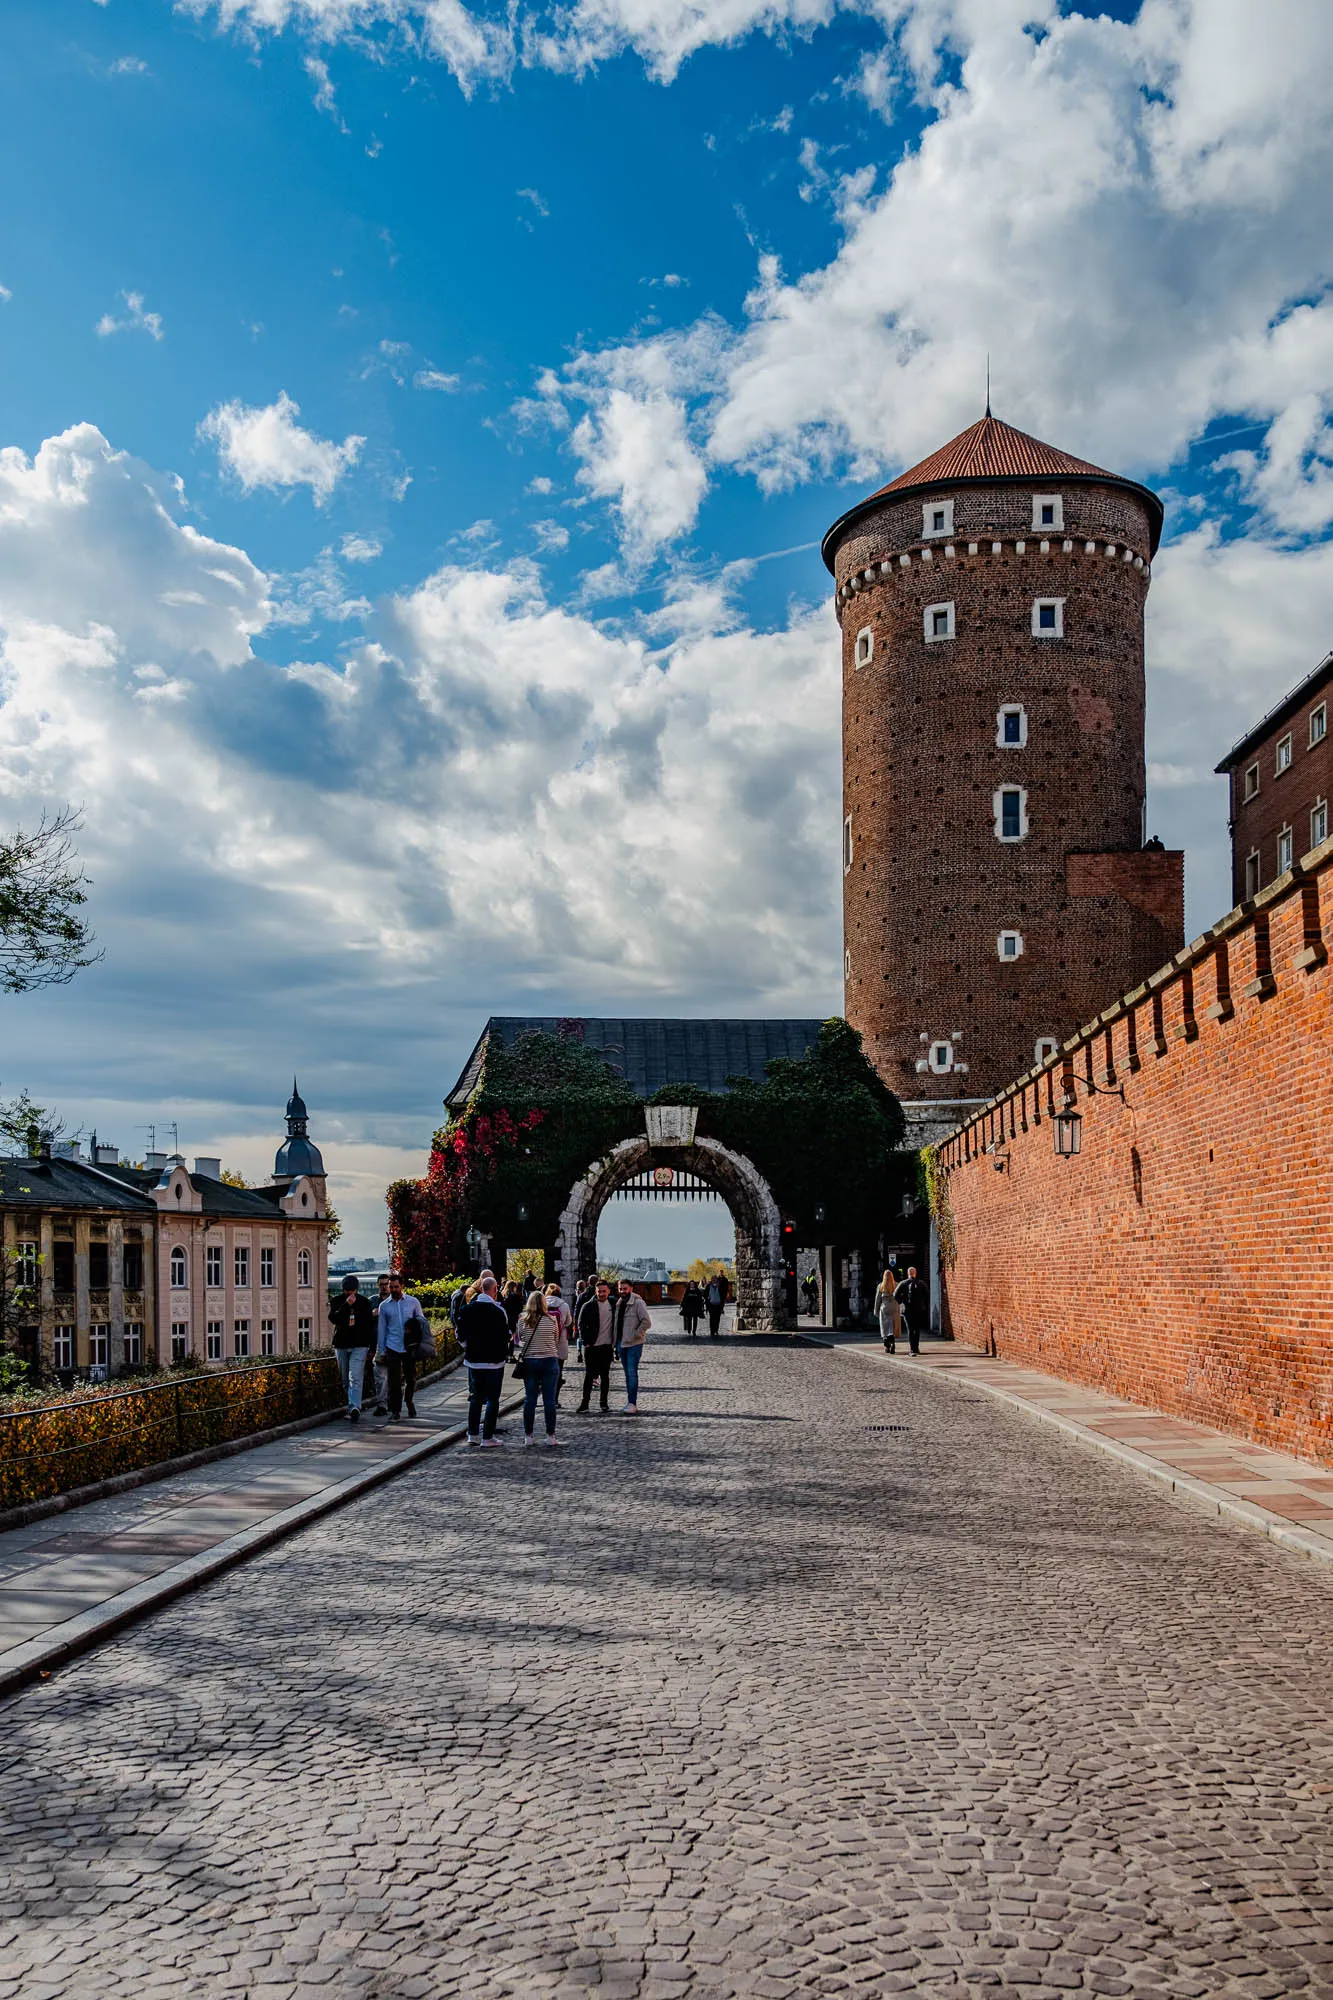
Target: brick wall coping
{"points": [[930, 552], [1317, 862]]}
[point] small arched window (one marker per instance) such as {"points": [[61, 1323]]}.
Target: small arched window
{"points": [[303, 1267], [180, 1271]]}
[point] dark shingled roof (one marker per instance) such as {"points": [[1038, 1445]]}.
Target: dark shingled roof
{"points": [[985, 454], [216, 1196], [651, 1053], [27, 1183]]}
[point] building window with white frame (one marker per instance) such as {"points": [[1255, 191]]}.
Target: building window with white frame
{"points": [[1284, 846], [1252, 872], [939, 1058], [213, 1339], [1009, 945], [1011, 727], [266, 1278], [1318, 723], [863, 652], [847, 844], [62, 1347], [241, 1267], [180, 1271], [1282, 762], [1048, 510], [180, 1340], [268, 1336], [936, 519], [240, 1339], [303, 1268], [1048, 618], [1010, 805], [27, 1263], [1318, 822], [1252, 782], [303, 1327], [99, 1349], [213, 1267], [1046, 1047], [939, 623], [134, 1343]]}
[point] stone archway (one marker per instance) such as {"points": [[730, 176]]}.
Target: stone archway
{"points": [[760, 1287]]}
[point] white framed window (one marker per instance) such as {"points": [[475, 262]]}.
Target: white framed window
{"points": [[1284, 850], [1048, 510], [266, 1269], [1283, 760], [213, 1339], [303, 1335], [1318, 822], [1252, 872], [1318, 723], [938, 622], [847, 965], [268, 1336], [99, 1348], [240, 1339], [27, 1263], [1009, 944], [213, 1267], [1252, 782], [303, 1268], [180, 1271], [1010, 805], [133, 1343], [936, 519], [241, 1267], [847, 844], [863, 652], [1044, 1048], [180, 1339], [1048, 618], [939, 1058], [62, 1347], [1011, 727]]}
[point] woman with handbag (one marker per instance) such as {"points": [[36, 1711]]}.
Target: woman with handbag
{"points": [[543, 1344]]}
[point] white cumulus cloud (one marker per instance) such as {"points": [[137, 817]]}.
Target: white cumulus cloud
{"points": [[267, 447], [135, 318]]}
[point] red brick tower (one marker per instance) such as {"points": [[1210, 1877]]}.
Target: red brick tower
{"points": [[997, 893]]}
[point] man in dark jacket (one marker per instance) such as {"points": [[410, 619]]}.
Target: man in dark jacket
{"points": [[353, 1322], [913, 1296], [597, 1331], [483, 1334]]}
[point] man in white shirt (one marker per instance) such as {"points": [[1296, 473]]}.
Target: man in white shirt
{"points": [[400, 1329]]}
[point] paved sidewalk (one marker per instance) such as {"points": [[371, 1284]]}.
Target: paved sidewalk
{"points": [[1288, 1499], [69, 1580]]}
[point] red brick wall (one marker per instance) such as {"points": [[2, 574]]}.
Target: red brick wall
{"points": [[1183, 1259]]}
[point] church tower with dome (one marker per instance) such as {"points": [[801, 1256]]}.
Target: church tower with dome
{"points": [[298, 1154], [999, 886]]}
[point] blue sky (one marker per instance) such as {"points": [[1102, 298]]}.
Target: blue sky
{"points": [[415, 425]]}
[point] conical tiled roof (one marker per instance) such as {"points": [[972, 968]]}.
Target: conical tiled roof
{"points": [[991, 451]]}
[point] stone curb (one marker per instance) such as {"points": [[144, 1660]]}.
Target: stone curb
{"points": [[1195, 1493], [23, 1664]]}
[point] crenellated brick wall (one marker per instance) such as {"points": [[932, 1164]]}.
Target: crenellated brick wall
{"points": [[1183, 1259]]}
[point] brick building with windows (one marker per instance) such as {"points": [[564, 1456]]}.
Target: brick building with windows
{"points": [[1281, 775], [998, 888], [121, 1265]]}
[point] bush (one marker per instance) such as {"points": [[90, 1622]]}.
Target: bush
{"points": [[435, 1293]]}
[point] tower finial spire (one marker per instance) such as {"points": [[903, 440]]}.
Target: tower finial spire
{"points": [[988, 382]]}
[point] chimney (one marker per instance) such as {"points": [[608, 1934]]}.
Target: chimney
{"points": [[210, 1169], [107, 1156], [67, 1149], [155, 1160]]}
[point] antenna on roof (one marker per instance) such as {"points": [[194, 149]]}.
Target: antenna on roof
{"points": [[988, 384], [151, 1130]]}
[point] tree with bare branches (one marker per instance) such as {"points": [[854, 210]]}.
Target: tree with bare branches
{"points": [[44, 940]]}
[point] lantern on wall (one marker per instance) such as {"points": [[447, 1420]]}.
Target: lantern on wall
{"points": [[1068, 1123]]}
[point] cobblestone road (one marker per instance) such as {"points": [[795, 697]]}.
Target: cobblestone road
{"points": [[753, 1697]]}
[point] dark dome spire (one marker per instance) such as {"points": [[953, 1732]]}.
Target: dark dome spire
{"points": [[297, 1155]]}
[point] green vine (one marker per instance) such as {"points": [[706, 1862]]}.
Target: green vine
{"points": [[935, 1187]]}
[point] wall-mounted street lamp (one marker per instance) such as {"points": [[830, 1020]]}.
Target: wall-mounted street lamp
{"points": [[474, 1244], [819, 1212], [1067, 1122], [522, 1211], [999, 1153]]}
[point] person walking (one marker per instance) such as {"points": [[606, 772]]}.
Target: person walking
{"points": [[543, 1343], [353, 1322], [558, 1305], [692, 1309], [400, 1328], [483, 1334], [715, 1298], [914, 1298], [598, 1334], [888, 1312], [381, 1368], [511, 1298], [632, 1321], [810, 1287]]}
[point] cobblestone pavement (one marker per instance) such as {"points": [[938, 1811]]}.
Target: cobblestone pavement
{"points": [[756, 1695]]}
